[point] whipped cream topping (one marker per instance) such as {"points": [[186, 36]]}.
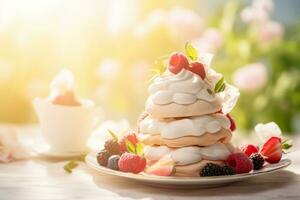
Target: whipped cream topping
{"points": [[194, 126], [189, 155], [63, 82], [184, 87]]}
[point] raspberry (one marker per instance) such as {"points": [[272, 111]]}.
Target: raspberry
{"points": [[249, 149], [177, 62], [240, 162], [113, 162], [257, 161], [211, 169], [131, 137], [198, 68], [102, 157], [112, 146], [130, 162]]}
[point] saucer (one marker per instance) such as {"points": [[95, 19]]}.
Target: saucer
{"points": [[42, 148]]}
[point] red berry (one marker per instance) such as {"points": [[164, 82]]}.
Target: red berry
{"points": [[240, 162], [232, 123], [271, 150], [198, 68], [177, 62], [249, 149], [130, 162], [131, 136]]}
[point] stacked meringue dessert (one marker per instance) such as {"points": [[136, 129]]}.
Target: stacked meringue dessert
{"points": [[186, 129], [187, 116]]}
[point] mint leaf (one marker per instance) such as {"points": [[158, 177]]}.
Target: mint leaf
{"points": [[287, 144], [220, 86], [130, 146], [139, 149], [113, 135], [191, 51], [70, 166]]}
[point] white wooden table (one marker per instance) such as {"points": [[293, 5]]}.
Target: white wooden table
{"points": [[42, 178]]}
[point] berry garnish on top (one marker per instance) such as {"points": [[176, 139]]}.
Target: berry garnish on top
{"points": [[198, 68], [177, 62]]}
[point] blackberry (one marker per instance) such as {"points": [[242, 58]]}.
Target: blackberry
{"points": [[112, 146], [102, 157], [257, 161], [227, 170], [113, 162], [211, 169]]}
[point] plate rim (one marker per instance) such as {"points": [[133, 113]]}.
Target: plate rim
{"points": [[187, 180]]}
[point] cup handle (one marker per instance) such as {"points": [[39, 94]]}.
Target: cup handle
{"points": [[99, 115]]}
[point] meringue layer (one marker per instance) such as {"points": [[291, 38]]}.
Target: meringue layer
{"points": [[184, 87], [207, 139], [194, 126]]}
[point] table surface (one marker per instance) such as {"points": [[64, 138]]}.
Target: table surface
{"points": [[44, 178]]}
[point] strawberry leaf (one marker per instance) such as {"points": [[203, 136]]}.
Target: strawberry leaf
{"points": [[220, 86], [191, 51], [113, 135], [130, 146], [139, 149]]}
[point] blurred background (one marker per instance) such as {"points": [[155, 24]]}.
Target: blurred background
{"points": [[111, 47]]}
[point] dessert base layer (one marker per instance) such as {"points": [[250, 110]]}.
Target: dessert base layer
{"points": [[207, 139], [193, 170]]}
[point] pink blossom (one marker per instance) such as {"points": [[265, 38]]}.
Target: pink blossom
{"points": [[210, 41], [253, 15], [10, 147], [268, 130], [184, 24], [266, 5], [251, 77], [270, 31]]}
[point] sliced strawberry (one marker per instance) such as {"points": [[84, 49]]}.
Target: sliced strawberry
{"points": [[271, 150], [232, 123], [198, 68], [177, 62], [164, 167], [249, 149]]}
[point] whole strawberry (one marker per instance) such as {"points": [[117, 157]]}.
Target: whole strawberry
{"points": [[131, 136], [249, 149], [133, 163]]}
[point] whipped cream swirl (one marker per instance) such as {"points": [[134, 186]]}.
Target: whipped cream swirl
{"points": [[194, 126], [189, 155], [184, 87]]}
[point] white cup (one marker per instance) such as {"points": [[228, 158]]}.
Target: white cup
{"points": [[66, 129]]}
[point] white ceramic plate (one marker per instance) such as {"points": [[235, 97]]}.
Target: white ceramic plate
{"points": [[185, 182]]}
